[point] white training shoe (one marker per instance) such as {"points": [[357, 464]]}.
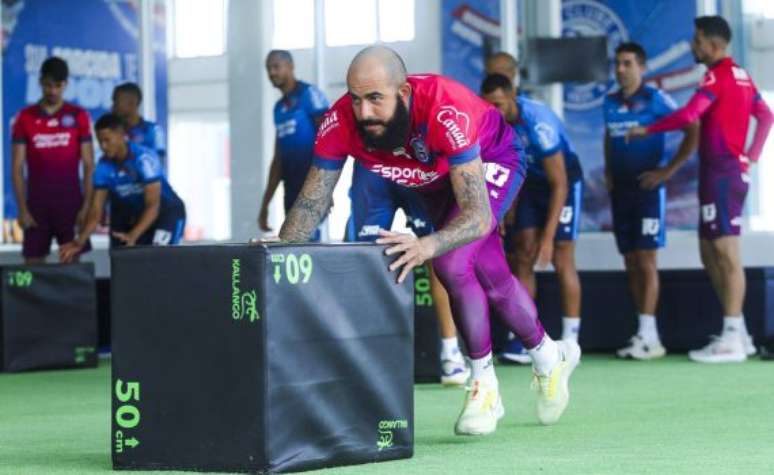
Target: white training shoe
{"points": [[749, 345], [553, 388], [639, 349], [727, 348], [483, 408], [454, 372]]}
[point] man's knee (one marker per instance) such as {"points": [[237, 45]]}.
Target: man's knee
{"points": [[564, 257]]}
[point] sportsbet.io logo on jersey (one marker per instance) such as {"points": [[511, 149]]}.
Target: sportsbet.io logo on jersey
{"points": [[591, 18]]}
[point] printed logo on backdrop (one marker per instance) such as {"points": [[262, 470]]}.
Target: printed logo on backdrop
{"points": [[590, 18]]}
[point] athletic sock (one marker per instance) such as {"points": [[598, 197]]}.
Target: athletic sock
{"points": [[570, 328], [450, 349], [544, 356], [733, 325], [648, 328], [483, 369]]}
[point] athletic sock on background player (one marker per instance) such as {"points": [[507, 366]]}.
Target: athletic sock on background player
{"points": [[734, 324], [450, 349], [570, 328], [648, 329]]}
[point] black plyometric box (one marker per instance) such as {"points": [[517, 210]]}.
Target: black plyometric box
{"points": [[260, 358], [48, 318]]}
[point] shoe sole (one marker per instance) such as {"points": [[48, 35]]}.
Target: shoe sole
{"points": [[455, 380], [719, 359], [511, 358]]}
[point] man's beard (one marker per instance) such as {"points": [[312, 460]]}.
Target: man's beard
{"points": [[396, 130]]}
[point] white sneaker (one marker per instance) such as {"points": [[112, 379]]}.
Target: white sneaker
{"points": [[639, 349], [553, 389], [727, 348], [749, 345], [454, 372], [483, 408]]}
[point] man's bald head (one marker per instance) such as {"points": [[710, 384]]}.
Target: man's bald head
{"points": [[505, 64], [377, 63]]}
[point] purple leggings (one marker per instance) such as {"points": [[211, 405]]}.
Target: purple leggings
{"points": [[476, 276]]}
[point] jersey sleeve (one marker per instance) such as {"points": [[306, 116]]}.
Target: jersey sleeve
{"points": [[710, 85], [332, 144], [19, 130], [453, 133], [149, 166], [691, 112], [159, 140], [545, 135], [315, 102], [101, 177], [84, 126], [605, 107]]}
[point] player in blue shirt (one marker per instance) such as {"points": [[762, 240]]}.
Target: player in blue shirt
{"points": [[131, 175], [127, 98], [635, 173], [297, 115], [543, 224]]}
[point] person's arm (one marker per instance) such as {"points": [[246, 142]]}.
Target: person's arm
{"points": [[149, 214], [474, 221], [19, 157], [764, 120], [70, 250], [275, 176], [312, 204], [87, 158], [679, 119], [557, 182], [653, 178], [608, 171]]}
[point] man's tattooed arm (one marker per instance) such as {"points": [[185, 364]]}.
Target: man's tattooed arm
{"points": [[312, 204], [475, 218]]}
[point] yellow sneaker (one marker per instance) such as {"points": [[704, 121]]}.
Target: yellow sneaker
{"points": [[553, 388], [483, 408]]}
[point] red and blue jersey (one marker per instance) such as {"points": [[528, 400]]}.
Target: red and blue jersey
{"points": [[725, 100], [450, 125], [53, 150], [629, 159]]}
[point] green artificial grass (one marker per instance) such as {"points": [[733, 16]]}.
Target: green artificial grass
{"points": [[667, 416]]}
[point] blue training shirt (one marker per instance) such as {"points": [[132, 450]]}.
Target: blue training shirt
{"points": [[149, 135], [294, 116], [125, 181], [543, 134], [628, 160]]}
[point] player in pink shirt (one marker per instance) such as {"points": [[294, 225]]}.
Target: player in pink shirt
{"points": [[436, 136], [52, 138], [724, 102]]}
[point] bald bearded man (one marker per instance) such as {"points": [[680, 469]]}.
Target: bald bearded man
{"points": [[431, 134]]}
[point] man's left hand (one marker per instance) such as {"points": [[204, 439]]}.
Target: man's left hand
{"points": [[413, 251]]}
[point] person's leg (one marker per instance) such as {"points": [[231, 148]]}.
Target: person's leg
{"points": [[633, 275], [526, 247], [569, 288], [36, 243], [731, 275]]}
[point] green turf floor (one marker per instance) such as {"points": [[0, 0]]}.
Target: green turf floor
{"points": [[668, 416]]}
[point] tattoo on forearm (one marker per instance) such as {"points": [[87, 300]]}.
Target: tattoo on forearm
{"points": [[476, 216], [310, 207]]}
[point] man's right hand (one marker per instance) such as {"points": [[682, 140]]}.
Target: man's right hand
{"points": [[26, 220], [68, 252], [263, 220]]}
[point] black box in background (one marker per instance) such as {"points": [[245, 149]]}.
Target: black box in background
{"points": [[48, 317], [427, 357], [254, 358]]}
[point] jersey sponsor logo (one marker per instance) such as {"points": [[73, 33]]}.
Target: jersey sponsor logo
{"points": [[286, 128], [68, 120], [650, 226], [591, 18], [619, 129], [406, 176], [52, 123], [59, 139], [708, 213], [566, 215], [125, 190], [331, 122], [457, 125], [546, 135]]}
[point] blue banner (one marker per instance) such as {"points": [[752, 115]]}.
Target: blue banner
{"points": [[99, 39], [664, 28], [470, 32]]}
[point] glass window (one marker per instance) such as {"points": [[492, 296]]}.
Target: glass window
{"points": [[199, 28], [396, 20], [293, 24], [350, 22], [199, 172]]}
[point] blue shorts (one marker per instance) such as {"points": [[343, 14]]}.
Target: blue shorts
{"points": [[166, 231], [639, 220], [532, 209], [374, 203]]}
